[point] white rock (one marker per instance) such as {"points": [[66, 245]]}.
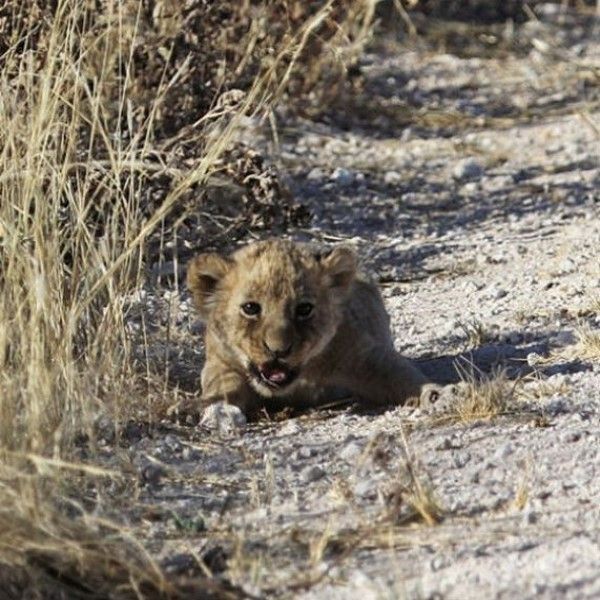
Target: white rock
{"points": [[365, 487], [504, 451], [223, 417], [342, 176], [305, 452], [392, 177], [315, 174], [533, 359], [469, 168], [351, 451], [495, 184], [290, 428], [470, 188]]}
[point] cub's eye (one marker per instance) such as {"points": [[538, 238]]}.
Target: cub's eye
{"points": [[304, 310], [250, 309]]}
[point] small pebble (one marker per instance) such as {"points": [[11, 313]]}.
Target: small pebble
{"points": [[151, 474], [556, 406], [461, 459], [315, 174], [311, 474], [304, 452], [392, 177], [189, 453], [504, 451], [290, 428], [570, 436], [365, 488], [172, 443], [533, 359], [470, 188], [180, 564], [468, 168], [133, 432], [529, 517], [105, 428], [342, 176], [350, 452]]}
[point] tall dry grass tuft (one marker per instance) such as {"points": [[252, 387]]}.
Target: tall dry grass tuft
{"points": [[588, 343], [78, 138], [482, 396], [479, 396], [63, 223], [66, 220]]}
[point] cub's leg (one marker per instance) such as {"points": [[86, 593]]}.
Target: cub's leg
{"points": [[220, 383], [384, 378]]}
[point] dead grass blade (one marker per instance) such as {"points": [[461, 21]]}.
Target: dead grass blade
{"points": [[420, 495]]}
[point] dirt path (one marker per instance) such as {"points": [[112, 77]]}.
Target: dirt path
{"points": [[470, 185]]}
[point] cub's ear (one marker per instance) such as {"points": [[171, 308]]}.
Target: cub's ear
{"points": [[203, 275], [340, 265]]}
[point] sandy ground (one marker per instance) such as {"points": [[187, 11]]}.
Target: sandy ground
{"points": [[470, 187]]}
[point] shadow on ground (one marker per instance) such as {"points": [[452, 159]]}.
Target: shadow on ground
{"points": [[488, 358]]}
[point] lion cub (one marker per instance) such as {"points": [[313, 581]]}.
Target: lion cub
{"points": [[284, 321]]}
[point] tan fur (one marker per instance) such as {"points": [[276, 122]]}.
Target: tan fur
{"points": [[345, 343]]}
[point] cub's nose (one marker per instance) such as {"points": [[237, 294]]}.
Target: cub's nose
{"points": [[278, 350]]}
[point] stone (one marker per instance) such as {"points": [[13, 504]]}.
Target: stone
{"points": [[172, 443], [315, 174], [351, 452], [504, 451], [312, 473], [365, 487], [303, 453], [223, 417], [392, 177], [467, 169], [460, 459], [105, 429], [470, 188], [151, 474], [290, 428], [342, 176]]}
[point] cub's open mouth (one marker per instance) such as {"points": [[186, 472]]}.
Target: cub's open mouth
{"points": [[274, 373]]}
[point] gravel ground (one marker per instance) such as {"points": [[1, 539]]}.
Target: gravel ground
{"points": [[470, 187]]}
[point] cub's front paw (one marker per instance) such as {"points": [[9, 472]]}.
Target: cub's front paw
{"points": [[223, 417]]}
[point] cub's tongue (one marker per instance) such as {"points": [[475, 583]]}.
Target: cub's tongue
{"points": [[275, 373], [278, 376]]}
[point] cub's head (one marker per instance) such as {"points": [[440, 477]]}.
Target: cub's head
{"points": [[273, 306]]}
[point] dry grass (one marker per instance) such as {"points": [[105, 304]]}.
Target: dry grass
{"points": [[485, 396], [481, 396], [521, 495], [412, 498], [586, 346], [79, 138], [420, 497], [475, 333], [536, 387], [588, 343]]}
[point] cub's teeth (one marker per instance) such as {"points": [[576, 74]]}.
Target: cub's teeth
{"points": [[277, 376]]}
